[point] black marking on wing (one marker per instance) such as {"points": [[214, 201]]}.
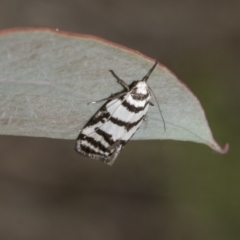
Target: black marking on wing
{"points": [[86, 150], [104, 116], [132, 108], [107, 137], [108, 153], [93, 142], [126, 125], [130, 125], [101, 116]]}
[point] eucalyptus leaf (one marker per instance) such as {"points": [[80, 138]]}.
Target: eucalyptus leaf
{"points": [[47, 78]]}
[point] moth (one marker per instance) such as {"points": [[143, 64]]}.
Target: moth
{"points": [[113, 125]]}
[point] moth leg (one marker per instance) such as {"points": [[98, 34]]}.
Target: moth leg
{"points": [[112, 97], [117, 148], [115, 145], [145, 119], [111, 160], [151, 104], [120, 81], [101, 100]]}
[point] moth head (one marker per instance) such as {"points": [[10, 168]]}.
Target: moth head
{"points": [[141, 87]]}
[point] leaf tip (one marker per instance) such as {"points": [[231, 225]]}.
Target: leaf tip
{"points": [[218, 149], [225, 149]]}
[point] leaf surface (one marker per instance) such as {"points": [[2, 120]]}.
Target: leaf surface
{"points": [[48, 77]]}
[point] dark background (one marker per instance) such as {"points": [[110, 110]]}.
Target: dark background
{"points": [[156, 189]]}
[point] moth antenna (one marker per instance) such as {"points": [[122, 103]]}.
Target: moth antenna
{"points": [[145, 78], [159, 109]]}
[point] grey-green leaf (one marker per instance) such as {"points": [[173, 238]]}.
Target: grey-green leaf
{"points": [[47, 78]]}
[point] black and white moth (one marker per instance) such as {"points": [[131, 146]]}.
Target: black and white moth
{"points": [[113, 125]]}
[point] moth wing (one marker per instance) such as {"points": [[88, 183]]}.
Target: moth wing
{"points": [[126, 118], [111, 128], [96, 143]]}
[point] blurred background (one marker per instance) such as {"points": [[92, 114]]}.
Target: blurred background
{"points": [[156, 189]]}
